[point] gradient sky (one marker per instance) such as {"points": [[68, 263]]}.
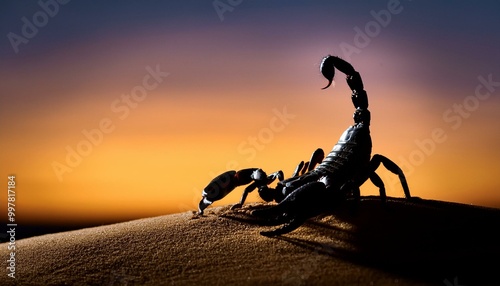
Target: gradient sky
{"points": [[425, 65]]}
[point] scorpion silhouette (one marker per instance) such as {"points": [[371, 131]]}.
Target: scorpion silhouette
{"points": [[311, 190]]}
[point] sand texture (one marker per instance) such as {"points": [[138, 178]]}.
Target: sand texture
{"points": [[417, 243]]}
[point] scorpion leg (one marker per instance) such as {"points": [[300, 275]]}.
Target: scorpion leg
{"points": [[305, 202], [306, 167], [292, 225], [300, 176], [317, 157], [349, 188], [250, 188], [391, 166], [269, 194], [377, 181], [299, 167], [290, 185], [260, 181]]}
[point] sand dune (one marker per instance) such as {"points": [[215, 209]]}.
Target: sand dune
{"points": [[426, 242]]}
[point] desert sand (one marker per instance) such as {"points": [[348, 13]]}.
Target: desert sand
{"points": [[407, 243]]}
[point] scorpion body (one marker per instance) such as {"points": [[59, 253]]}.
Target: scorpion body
{"points": [[338, 176], [343, 170], [349, 160]]}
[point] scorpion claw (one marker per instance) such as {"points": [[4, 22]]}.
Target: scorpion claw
{"points": [[317, 156], [204, 203]]}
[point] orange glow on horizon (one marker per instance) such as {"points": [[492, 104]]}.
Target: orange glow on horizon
{"points": [[149, 167], [225, 110]]}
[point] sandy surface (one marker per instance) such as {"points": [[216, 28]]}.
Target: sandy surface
{"points": [[423, 243]]}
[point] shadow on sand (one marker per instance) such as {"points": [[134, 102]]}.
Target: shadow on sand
{"points": [[427, 241]]}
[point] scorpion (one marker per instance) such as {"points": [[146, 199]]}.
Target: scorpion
{"points": [[321, 183]]}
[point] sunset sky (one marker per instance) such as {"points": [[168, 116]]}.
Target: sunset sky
{"points": [[116, 110]]}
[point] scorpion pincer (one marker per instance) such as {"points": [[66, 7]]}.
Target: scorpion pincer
{"points": [[226, 182]]}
